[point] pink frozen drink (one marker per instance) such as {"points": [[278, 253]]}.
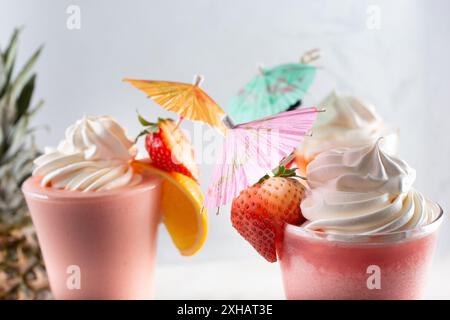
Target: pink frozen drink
{"points": [[97, 245], [368, 234], [389, 266], [96, 219]]}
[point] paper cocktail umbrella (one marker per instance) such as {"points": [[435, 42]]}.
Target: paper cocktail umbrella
{"points": [[188, 100], [253, 149], [272, 91]]}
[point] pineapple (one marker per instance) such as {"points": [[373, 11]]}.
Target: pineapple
{"points": [[22, 272]]}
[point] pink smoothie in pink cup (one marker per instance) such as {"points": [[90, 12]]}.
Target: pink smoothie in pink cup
{"points": [[98, 245], [96, 219]]}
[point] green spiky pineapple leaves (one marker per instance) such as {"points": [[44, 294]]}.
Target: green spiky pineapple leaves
{"points": [[17, 147]]}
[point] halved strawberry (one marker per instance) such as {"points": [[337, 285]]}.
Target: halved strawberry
{"points": [[169, 148], [260, 212]]}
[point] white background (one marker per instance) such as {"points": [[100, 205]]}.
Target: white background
{"points": [[403, 68]]}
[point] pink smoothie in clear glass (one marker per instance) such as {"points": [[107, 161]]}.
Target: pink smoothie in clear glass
{"points": [[97, 245], [394, 265]]}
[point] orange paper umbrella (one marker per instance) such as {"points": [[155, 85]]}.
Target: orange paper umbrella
{"points": [[188, 100]]}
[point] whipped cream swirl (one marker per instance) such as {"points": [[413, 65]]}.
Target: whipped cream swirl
{"points": [[348, 122], [363, 191], [95, 155]]}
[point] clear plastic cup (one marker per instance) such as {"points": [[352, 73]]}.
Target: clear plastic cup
{"points": [[394, 265]]}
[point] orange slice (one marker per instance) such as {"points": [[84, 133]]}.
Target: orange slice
{"points": [[184, 216]]}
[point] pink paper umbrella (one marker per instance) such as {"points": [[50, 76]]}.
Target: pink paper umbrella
{"points": [[253, 149]]}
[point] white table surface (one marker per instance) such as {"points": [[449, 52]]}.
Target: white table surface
{"points": [[252, 280]]}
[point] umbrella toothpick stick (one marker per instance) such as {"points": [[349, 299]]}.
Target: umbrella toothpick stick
{"points": [[261, 70], [198, 79], [310, 56], [288, 159], [228, 122], [179, 121]]}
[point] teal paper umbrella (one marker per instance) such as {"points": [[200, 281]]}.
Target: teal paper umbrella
{"points": [[272, 91]]}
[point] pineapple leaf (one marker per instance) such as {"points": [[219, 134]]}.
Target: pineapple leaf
{"points": [[2, 73], [33, 111], [10, 53], [23, 102], [22, 76], [9, 57], [17, 137]]}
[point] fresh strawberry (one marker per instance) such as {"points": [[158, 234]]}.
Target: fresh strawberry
{"points": [[261, 211], [169, 148]]}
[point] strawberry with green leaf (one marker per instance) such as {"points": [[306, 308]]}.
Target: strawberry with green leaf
{"points": [[261, 211], [168, 147]]}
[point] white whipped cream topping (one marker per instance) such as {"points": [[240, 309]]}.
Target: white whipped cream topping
{"points": [[363, 191], [95, 155], [347, 122]]}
